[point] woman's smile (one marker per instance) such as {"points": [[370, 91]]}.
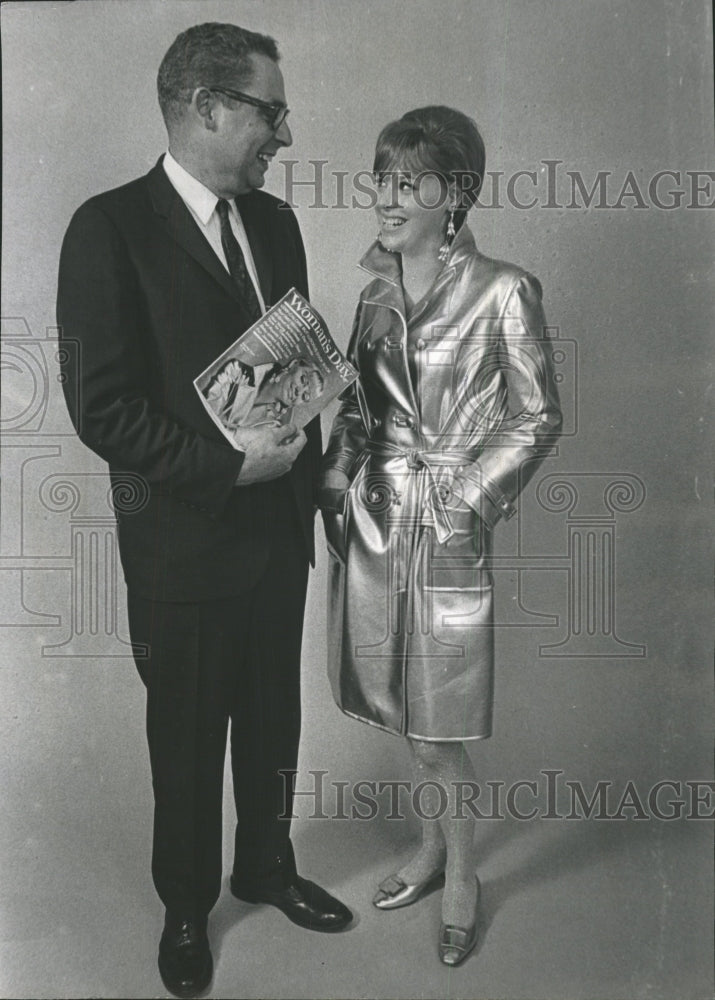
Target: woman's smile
{"points": [[392, 222]]}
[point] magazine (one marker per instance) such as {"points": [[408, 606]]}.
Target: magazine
{"points": [[285, 368]]}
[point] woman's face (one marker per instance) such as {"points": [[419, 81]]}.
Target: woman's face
{"points": [[412, 212]]}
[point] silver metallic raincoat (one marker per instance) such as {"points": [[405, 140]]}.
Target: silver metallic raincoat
{"points": [[454, 410]]}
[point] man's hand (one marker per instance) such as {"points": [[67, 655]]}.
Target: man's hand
{"points": [[270, 451]]}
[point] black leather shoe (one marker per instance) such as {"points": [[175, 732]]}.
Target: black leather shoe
{"points": [[185, 962], [302, 901]]}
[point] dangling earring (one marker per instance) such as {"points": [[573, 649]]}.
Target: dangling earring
{"points": [[451, 232]]}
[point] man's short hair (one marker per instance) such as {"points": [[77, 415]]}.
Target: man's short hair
{"points": [[205, 55]]}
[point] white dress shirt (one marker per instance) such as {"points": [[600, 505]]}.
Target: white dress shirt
{"points": [[202, 204]]}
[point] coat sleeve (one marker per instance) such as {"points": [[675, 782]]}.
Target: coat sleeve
{"points": [[349, 432], [114, 414], [532, 416]]}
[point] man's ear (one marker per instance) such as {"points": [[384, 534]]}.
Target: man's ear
{"points": [[202, 104]]}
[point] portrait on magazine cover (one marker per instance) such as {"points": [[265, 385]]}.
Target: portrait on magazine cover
{"points": [[283, 371], [243, 396]]}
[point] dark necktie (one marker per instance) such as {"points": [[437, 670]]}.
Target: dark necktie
{"points": [[237, 263]]}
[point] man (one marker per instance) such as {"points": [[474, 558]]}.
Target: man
{"points": [[157, 278], [243, 395]]}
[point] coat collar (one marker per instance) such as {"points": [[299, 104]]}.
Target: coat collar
{"points": [[196, 196], [387, 266], [387, 292], [180, 225]]}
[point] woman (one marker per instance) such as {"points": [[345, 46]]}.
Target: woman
{"points": [[454, 409]]}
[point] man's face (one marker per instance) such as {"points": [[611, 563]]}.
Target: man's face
{"points": [[300, 385], [243, 142]]}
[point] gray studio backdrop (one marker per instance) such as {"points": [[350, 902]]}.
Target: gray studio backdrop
{"points": [[603, 592]]}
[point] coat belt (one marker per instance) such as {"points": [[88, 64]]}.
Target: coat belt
{"points": [[438, 494]]}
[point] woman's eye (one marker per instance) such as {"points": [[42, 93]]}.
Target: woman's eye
{"points": [[406, 186]]}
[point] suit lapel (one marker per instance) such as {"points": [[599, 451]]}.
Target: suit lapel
{"points": [[182, 228], [255, 226]]}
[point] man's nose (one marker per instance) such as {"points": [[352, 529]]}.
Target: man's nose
{"points": [[283, 135]]}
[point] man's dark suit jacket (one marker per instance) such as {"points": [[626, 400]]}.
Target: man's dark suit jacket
{"points": [[151, 306]]}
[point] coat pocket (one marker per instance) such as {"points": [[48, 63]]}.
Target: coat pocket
{"points": [[459, 607]]}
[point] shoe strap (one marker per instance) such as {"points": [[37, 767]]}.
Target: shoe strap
{"points": [[392, 885], [456, 937]]}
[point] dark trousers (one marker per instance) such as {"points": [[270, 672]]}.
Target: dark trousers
{"points": [[236, 659]]}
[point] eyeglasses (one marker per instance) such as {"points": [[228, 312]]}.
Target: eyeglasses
{"points": [[275, 114]]}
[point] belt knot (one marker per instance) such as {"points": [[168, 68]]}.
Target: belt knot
{"points": [[414, 459]]}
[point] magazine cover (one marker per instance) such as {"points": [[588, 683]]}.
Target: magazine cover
{"points": [[285, 368]]}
